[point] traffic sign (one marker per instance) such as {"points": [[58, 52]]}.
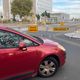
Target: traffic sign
{"points": [[44, 22], [61, 23], [33, 28], [60, 29]]}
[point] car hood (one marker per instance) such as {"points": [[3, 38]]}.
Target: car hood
{"points": [[46, 41], [49, 42], [53, 44]]}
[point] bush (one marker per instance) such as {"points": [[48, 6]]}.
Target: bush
{"points": [[0, 21], [6, 21], [26, 20]]}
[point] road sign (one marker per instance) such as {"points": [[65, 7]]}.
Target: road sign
{"points": [[44, 22], [33, 28], [60, 29], [61, 23]]}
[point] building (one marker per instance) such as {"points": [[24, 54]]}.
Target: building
{"points": [[43, 5], [60, 17], [39, 6], [7, 9]]}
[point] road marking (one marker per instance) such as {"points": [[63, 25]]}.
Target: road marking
{"points": [[66, 41]]}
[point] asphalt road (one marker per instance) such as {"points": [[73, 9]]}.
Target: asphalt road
{"points": [[71, 70]]}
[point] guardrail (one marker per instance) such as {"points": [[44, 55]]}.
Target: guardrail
{"points": [[35, 28]]}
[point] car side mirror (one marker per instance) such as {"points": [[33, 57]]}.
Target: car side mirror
{"points": [[22, 46]]}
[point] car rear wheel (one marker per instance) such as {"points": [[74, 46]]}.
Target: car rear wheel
{"points": [[48, 67]]}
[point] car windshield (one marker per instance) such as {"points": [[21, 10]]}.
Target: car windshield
{"points": [[37, 38]]}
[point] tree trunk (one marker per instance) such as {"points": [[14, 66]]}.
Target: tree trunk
{"points": [[14, 18]]}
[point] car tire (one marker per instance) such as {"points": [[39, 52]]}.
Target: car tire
{"points": [[48, 67]]}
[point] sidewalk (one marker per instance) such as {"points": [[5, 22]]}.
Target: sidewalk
{"points": [[25, 26]]}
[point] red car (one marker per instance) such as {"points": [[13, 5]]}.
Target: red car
{"points": [[24, 56]]}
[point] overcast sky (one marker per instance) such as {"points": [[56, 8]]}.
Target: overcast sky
{"points": [[68, 6]]}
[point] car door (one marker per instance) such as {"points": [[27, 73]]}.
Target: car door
{"points": [[14, 61]]}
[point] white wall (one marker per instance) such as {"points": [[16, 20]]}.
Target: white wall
{"points": [[60, 17]]}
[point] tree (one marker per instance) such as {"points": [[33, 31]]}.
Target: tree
{"points": [[38, 17], [48, 15], [21, 7], [45, 14]]}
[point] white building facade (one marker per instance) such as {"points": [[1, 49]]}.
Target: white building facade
{"points": [[43, 5], [60, 17]]}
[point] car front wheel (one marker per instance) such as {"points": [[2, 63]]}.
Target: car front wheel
{"points": [[48, 67]]}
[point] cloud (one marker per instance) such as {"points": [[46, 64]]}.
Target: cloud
{"points": [[71, 7], [57, 10], [61, 0]]}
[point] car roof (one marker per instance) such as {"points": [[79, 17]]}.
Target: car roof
{"points": [[3, 27], [8, 29]]}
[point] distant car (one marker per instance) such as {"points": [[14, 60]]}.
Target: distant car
{"points": [[26, 56]]}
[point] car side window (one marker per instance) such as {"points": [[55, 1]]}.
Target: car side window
{"points": [[11, 40], [29, 42]]}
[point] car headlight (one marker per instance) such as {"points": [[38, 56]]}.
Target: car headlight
{"points": [[61, 47]]}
